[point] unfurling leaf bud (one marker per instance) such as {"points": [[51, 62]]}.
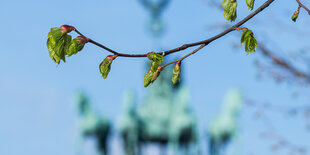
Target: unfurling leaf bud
{"points": [[249, 41], [57, 42], [154, 66], [295, 15], [66, 29], [111, 58], [76, 45], [156, 73], [105, 65], [156, 60], [150, 55], [148, 78], [176, 72], [155, 57]]}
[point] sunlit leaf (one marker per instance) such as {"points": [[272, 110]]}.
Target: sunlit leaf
{"points": [[230, 9], [249, 41], [250, 4]]}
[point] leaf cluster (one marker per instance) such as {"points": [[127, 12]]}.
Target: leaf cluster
{"points": [[155, 70], [59, 43], [230, 8], [250, 43]]}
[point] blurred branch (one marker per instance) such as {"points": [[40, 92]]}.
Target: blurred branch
{"points": [[303, 6], [281, 142], [278, 108], [284, 64]]}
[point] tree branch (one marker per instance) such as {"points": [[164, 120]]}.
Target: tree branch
{"points": [[185, 46], [303, 6]]}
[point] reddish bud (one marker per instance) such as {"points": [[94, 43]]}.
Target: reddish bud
{"points": [[81, 39], [66, 29], [111, 58], [157, 73], [150, 55]]}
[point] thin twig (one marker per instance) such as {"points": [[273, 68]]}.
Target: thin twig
{"points": [[185, 46], [303, 6], [193, 52]]}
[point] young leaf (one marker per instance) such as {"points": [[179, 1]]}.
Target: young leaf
{"points": [[230, 9], [76, 45], [250, 4], [105, 65], [148, 78], [57, 43], [155, 57], [295, 15], [249, 41], [156, 60], [156, 74], [176, 72]]}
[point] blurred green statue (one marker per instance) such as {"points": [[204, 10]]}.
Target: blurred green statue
{"points": [[92, 125], [129, 125], [164, 118], [223, 128]]}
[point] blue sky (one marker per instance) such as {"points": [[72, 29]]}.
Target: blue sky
{"points": [[37, 113]]}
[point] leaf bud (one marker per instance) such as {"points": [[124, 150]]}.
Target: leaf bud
{"points": [[57, 44], [76, 45], [148, 78], [105, 65], [156, 74], [295, 15], [66, 29], [176, 72], [155, 57]]}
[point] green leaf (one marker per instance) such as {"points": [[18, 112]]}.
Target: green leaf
{"points": [[249, 41], [67, 42], [154, 66], [148, 78], [176, 73], [156, 74], [156, 60], [75, 46], [105, 67], [50, 47], [155, 57], [245, 34], [230, 9], [57, 43], [54, 35], [250, 4], [295, 16], [60, 49]]}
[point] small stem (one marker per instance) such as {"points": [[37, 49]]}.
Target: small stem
{"points": [[179, 60], [241, 28]]}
